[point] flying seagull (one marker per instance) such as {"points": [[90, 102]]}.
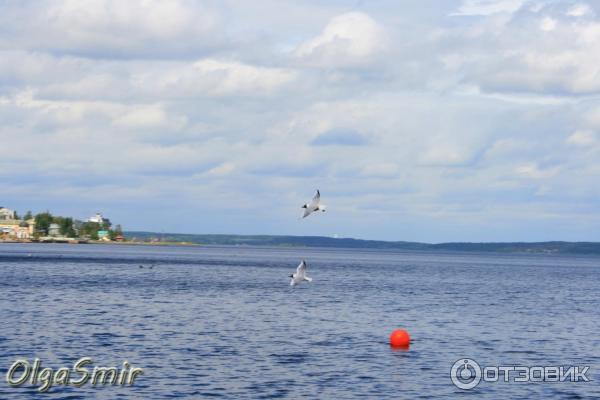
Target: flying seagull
{"points": [[300, 275], [314, 205]]}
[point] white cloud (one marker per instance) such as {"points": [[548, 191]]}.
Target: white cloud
{"points": [[444, 155], [149, 117], [513, 58], [65, 112], [110, 27], [548, 24], [236, 77], [533, 171], [222, 169], [210, 77], [582, 138], [579, 10], [488, 7], [78, 78], [349, 39]]}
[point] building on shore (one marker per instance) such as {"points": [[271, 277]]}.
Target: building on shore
{"points": [[6, 214], [17, 229], [14, 229], [104, 235], [99, 219], [54, 230]]}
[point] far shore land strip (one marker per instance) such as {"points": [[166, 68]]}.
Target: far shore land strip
{"points": [[47, 228]]}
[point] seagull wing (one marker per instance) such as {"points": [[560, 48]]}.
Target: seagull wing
{"points": [[301, 270], [314, 203], [307, 212]]}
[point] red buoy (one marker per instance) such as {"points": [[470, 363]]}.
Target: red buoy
{"points": [[400, 338]]}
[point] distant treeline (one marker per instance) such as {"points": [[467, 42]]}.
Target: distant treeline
{"points": [[322, 241], [70, 227]]}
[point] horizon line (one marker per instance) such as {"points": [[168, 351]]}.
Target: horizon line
{"points": [[357, 239]]}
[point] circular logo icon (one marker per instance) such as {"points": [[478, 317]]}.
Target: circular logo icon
{"points": [[465, 374]]}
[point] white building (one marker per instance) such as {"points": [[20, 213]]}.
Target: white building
{"points": [[99, 219], [6, 214], [54, 230]]}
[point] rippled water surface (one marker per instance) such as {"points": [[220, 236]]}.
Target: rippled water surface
{"points": [[210, 322]]}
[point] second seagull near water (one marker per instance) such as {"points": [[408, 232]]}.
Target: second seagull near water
{"points": [[300, 275]]}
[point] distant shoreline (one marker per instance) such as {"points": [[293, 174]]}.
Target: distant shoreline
{"points": [[550, 247], [142, 238]]}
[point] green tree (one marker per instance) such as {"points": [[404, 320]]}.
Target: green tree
{"points": [[57, 219], [43, 221], [113, 233], [90, 229], [28, 216], [66, 227]]}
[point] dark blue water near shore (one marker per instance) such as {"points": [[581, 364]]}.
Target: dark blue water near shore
{"points": [[222, 322]]}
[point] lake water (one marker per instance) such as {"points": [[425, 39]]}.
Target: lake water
{"points": [[210, 322]]}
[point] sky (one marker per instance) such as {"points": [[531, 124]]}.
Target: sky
{"points": [[418, 120]]}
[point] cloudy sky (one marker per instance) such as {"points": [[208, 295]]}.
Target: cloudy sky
{"points": [[466, 120]]}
